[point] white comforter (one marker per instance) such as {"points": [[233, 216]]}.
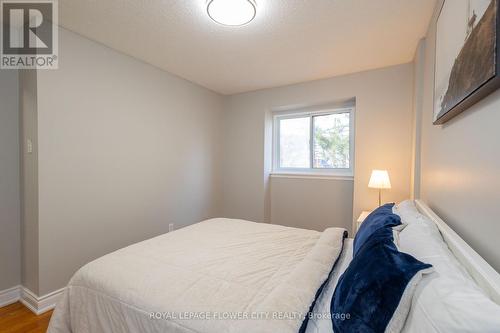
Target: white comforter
{"points": [[216, 276]]}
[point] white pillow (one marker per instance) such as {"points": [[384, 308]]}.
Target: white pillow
{"points": [[395, 235], [407, 211], [447, 300]]}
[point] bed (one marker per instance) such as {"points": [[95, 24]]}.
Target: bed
{"points": [[197, 279], [225, 275]]}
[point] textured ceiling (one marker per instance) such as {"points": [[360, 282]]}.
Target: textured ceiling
{"points": [[289, 41]]}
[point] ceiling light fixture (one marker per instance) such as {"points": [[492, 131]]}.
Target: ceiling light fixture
{"points": [[232, 12]]}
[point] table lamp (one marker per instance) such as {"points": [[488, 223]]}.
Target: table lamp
{"points": [[380, 180]]}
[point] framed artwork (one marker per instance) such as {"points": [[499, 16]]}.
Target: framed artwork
{"points": [[467, 58]]}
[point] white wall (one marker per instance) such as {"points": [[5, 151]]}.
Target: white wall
{"points": [[29, 180], [10, 223], [124, 149], [311, 203], [460, 164], [383, 137], [418, 86]]}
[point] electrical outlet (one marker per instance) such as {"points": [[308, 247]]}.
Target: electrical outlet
{"points": [[29, 146], [170, 227]]}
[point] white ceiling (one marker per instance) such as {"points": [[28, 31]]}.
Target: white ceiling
{"points": [[289, 41]]}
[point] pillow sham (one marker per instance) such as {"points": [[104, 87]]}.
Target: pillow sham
{"points": [[448, 300], [377, 287], [379, 218]]}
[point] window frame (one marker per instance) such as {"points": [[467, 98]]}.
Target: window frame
{"points": [[334, 172]]}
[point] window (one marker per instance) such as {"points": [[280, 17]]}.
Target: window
{"points": [[314, 142]]}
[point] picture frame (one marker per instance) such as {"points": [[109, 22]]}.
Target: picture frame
{"points": [[467, 57]]}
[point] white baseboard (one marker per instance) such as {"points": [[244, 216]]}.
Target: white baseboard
{"points": [[9, 296], [42, 304], [37, 305]]}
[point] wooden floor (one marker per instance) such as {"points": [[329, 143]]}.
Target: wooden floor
{"points": [[16, 318]]}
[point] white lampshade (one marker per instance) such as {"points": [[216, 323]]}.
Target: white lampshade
{"points": [[380, 180]]}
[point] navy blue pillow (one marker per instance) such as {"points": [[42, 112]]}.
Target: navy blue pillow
{"points": [[379, 218], [372, 286]]}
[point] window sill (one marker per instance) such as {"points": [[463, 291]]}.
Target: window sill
{"points": [[306, 175]]}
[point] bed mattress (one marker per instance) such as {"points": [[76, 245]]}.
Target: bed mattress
{"points": [[220, 275]]}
